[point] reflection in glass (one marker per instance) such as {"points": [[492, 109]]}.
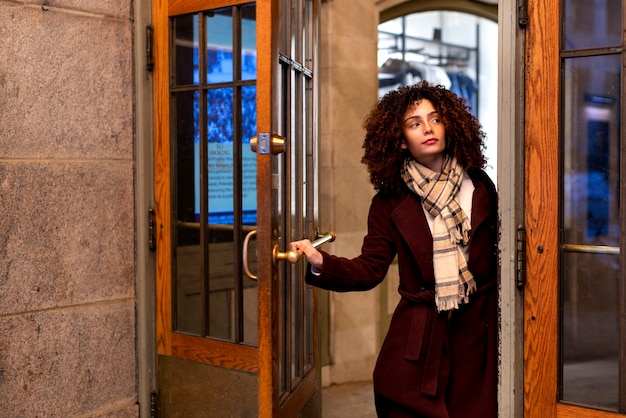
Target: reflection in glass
{"points": [[248, 209], [248, 117], [591, 150], [248, 42], [185, 30], [590, 329], [590, 216], [188, 299], [220, 165], [592, 23], [219, 41]]}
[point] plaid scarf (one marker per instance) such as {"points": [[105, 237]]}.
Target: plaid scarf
{"points": [[453, 281]]}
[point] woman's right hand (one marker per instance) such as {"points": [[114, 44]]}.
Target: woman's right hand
{"points": [[313, 256]]}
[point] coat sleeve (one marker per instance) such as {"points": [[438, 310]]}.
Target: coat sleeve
{"points": [[367, 270]]}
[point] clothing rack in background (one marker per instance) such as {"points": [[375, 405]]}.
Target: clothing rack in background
{"points": [[412, 59]]}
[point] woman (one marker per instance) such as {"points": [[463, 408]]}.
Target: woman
{"points": [[436, 209]]}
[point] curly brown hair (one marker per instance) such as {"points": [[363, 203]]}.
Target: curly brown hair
{"points": [[384, 133]]}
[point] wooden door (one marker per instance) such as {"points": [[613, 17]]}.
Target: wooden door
{"points": [[574, 297], [289, 377], [235, 167]]}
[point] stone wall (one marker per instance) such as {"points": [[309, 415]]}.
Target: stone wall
{"points": [[67, 304], [348, 90]]}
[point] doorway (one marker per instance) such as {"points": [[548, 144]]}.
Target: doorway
{"points": [[457, 50], [349, 90]]}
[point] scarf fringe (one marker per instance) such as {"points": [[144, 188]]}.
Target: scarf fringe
{"points": [[447, 303], [452, 302]]}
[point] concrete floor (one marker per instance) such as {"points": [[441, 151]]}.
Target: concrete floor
{"points": [[348, 401], [591, 383]]}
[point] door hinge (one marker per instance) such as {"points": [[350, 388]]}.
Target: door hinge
{"points": [[520, 277], [154, 404], [522, 14], [151, 229], [149, 43]]}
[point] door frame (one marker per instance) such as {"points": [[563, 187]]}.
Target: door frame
{"points": [[511, 34], [144, 202]]}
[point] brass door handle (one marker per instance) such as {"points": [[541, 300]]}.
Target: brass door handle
{"points": [[246, 265], [293, 256]]}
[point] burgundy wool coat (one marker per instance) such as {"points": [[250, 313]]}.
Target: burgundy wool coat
{"points": [[434, 365]]}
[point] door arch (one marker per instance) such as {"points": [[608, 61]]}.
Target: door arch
{"points": [[390, 9]]}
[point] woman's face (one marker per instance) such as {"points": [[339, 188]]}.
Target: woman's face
{"points": [[424, 134]]}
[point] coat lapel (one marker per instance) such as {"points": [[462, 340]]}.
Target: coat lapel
{"points": [[480, 210], [484, 203], [411, 222]]}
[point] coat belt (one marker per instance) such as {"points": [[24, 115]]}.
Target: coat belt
{"points": [[424, 309]]}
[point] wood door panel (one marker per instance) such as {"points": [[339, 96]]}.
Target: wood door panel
{"points": [[571, 411], [219, 353], [541, 209], [179, 7], [192, 389]]}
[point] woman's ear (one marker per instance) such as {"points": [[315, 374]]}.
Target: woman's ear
{"points": [[403, 144]]}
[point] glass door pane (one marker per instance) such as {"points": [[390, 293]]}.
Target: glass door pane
{"points": [[213, 172], [590, 232], [589, 24]]}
